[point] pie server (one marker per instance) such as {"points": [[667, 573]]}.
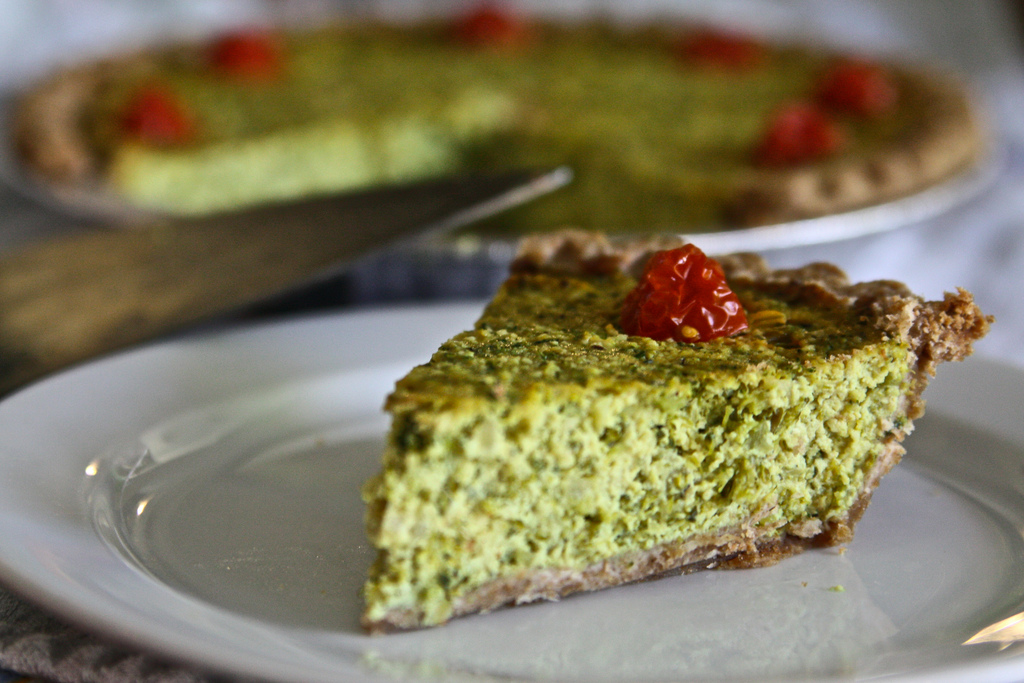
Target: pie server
{"points": [[71, 299]]}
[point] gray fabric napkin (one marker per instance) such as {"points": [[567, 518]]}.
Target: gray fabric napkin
{"points": [[34, 643]]}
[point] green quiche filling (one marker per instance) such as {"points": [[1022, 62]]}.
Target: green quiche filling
{"points": [[353, 109], [546, 439], [370, 105]]}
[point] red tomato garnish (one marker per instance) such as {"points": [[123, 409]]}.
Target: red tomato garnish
{"points": [[856, 87], [798, 133], [722, 50], [682, 295], [491, 26], [156, 116], [248, 55]]}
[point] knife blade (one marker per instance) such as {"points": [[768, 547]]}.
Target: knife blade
{"points": [[71, 299]]}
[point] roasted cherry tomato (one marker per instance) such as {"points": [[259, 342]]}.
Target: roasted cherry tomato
{"points": [[682, 295], [156, 116], [722, 50], [491, 26], [248, 55], [857, 87], [797, 134]]}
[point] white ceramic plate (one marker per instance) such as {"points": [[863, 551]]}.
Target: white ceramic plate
{"points": [[200, 499]]}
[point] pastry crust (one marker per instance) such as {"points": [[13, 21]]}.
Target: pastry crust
{"points": [[48, 127], [47, 133], [935, 332], [949, 138]]}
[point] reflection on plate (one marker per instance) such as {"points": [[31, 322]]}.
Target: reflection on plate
{"points": [[201, 497]]}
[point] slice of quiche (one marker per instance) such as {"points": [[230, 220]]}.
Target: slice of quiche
{"points": [[547, 452]]}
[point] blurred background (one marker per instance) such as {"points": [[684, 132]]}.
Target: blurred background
{"points": [[978, 244]]}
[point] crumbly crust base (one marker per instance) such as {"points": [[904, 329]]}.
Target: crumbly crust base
{"points": [[936, 332], [48, 129], [948, 138], [47, 134]]}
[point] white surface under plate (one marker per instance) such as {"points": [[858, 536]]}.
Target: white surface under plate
{"points": [[199, 498]]}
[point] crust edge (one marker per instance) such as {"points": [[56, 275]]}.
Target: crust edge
{"points": [[951, 138]]}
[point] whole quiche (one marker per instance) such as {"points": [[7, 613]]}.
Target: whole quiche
{"points": [[668, 127]]}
